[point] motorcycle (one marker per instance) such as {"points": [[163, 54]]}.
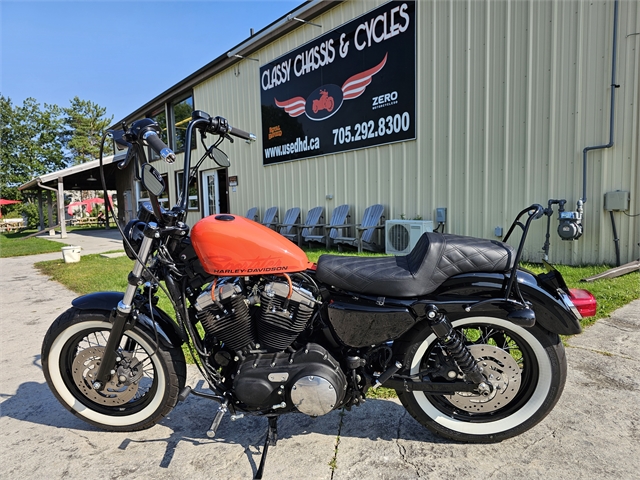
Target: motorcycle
{"points": [[468, 339], [325, 102]]}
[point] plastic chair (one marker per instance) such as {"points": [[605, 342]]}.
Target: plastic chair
{"points": [[270, 219], [288, 228], [252, 214], [365, 231], [330, 231]]}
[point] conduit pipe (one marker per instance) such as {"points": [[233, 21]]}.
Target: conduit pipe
{"points": [[612, 109]]}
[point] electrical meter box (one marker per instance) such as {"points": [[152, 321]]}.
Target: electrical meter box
{"points": [[618, 200]]}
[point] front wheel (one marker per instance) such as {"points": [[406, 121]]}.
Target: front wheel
{"points": [[526, 367], [143, 388]]}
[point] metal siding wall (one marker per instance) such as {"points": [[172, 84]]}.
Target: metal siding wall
{"points": [[509, 93]]}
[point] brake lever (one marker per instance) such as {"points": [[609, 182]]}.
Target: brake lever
{"points": [[228, 137], [127, 160]]}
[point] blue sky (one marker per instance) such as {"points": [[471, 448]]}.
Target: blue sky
{"points": [[118, 54]]}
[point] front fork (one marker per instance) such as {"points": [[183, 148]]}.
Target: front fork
{"points": [[121, 314]]}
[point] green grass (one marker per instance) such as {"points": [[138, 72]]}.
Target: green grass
{"points": [[95, 273], [91, 274], [611, 293], [314, 253], [14, 245]]}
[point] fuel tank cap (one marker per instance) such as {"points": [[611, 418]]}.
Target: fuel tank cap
{"points": [[225, 218]]}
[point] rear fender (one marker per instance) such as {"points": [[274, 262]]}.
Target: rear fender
{"points": [[168, 332], [552, 313]]}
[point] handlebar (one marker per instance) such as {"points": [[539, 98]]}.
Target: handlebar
{"points": [[158, 146], [146, 132], [242, 134], [218, 126]]}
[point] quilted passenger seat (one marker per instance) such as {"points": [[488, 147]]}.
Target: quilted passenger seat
{"points": [[435, 258]]}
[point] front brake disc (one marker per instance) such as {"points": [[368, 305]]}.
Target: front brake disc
{"points": [[84, 370]]}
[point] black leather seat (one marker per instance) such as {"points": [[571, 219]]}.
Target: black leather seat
{"points": [[435, 258]]}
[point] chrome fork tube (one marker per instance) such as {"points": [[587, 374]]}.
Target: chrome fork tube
{"points": [[120, 316], [135, 276]]}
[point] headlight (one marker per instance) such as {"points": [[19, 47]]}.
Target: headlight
{"points": [[134, 233]]}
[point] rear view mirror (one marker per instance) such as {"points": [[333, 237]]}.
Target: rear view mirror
{"points": [[152, 180], [220, 157]]}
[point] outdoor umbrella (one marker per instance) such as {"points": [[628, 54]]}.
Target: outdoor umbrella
{"points": [[7, 202], [71, 207], [88, 203]]}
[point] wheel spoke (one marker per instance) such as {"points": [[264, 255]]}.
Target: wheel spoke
{"points": [[85, 358], [490, 343]]}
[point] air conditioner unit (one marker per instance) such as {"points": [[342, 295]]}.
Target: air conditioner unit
{"points": [[402, 235]]}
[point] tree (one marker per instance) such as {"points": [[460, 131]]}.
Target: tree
{"points": [[85, 124], [30, 143]]}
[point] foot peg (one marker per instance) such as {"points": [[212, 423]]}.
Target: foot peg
{"points": [[222, 409], [184, 393]]}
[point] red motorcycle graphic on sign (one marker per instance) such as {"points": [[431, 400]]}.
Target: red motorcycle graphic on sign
{"points": [[325, 102]]}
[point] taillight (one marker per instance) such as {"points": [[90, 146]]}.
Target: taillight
{"points": [[584, 301]]}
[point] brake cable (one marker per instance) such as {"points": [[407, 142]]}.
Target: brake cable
{"points": [[124, 237]]}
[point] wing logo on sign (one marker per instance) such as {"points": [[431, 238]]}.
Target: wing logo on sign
{"points": [[327, 99]]}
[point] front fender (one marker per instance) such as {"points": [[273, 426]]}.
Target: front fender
{"points": [[168, 331], [98, 301], [551, 312]]}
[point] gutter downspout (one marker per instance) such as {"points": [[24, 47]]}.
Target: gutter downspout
{"points": [[613, 96]]}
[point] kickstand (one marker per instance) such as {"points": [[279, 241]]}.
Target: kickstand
{"points": [[272, 438]]}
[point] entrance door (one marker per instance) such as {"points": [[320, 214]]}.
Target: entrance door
{"points": [[211, 192]]}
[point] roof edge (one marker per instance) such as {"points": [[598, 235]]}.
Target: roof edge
{"points": [[48, 177]]}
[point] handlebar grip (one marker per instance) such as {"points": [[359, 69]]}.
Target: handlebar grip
{"points": [[158, 146], [241, 134]]}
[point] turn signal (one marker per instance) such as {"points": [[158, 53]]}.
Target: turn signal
{"points": [[584, 301]]}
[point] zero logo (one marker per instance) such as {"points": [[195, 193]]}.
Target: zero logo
{"points": [[383, 100]]}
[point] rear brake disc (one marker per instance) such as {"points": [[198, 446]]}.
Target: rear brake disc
{"points": [[501, 370]]}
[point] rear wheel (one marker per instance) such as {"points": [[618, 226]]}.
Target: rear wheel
{"points": [[526, 367], [145, 384]]}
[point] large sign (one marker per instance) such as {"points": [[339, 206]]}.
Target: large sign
{"points": [[353, 87]]}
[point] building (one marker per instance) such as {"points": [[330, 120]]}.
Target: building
{"points": [[482, 108]]}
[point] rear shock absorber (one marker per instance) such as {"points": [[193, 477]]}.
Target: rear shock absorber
{"points": [[454, 345]]}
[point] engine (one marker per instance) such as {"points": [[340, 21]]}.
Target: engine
{"points": [[255, 328], [270, 316], [309, 380]]}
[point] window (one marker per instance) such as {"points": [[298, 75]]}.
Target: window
{"points": [[159, 116], [193, 202], [143, 194], [180, 116], [165, 201]]}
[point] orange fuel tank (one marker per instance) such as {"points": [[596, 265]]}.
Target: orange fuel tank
{"points": [[230, 245]]}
